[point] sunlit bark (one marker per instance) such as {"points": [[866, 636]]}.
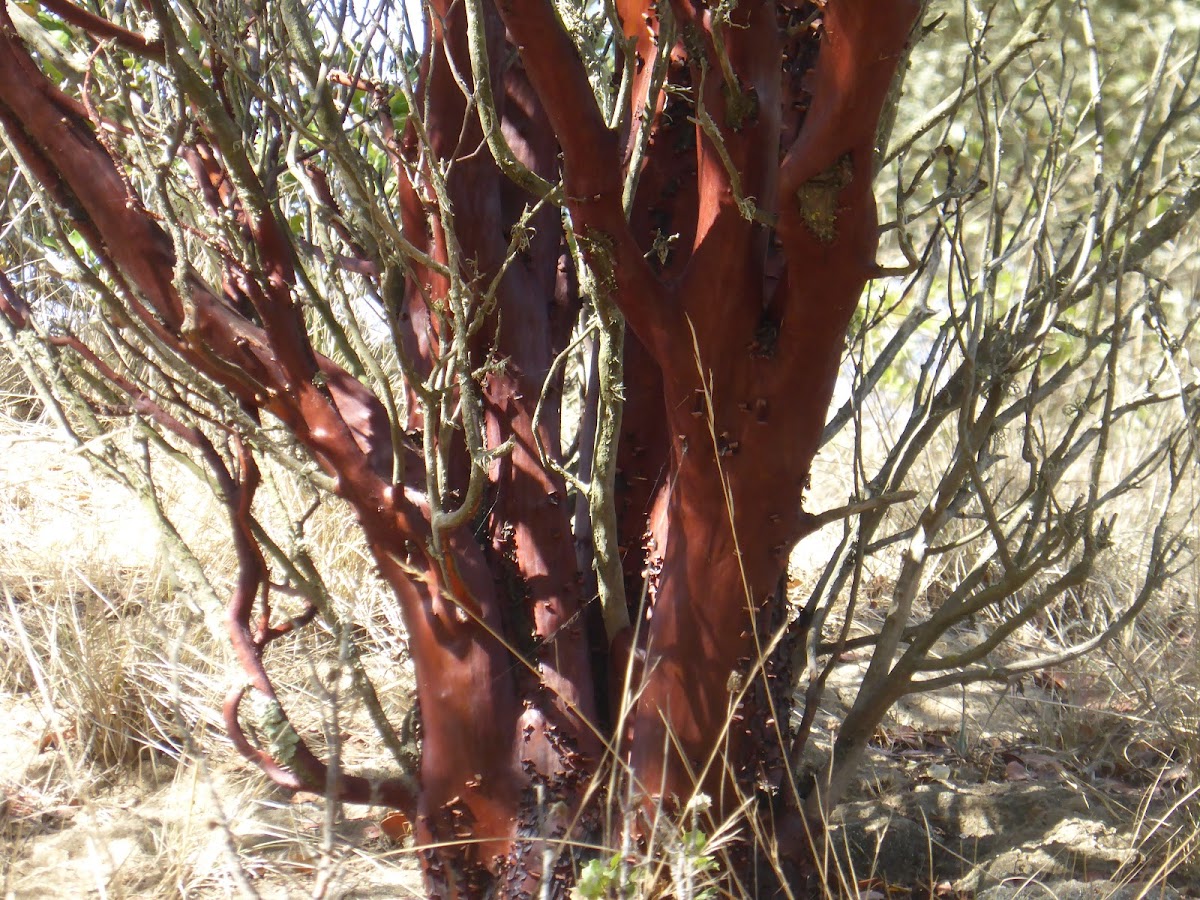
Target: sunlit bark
{"points": [[736, 263]]}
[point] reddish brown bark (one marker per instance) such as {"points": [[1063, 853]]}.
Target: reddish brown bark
{"points": [[765, 352], [748, 243]]}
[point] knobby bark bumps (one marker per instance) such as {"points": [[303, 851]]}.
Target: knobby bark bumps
{"points": [[724, 210]]}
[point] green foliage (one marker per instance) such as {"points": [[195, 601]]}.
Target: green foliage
{"points": [[689, 856], [694, 863], [57, 30], [604, 878]]}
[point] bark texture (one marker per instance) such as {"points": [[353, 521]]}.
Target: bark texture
{"points": [[728, 217]]}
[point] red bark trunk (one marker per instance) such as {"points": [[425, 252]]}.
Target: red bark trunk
{"points": [[738, 267]]}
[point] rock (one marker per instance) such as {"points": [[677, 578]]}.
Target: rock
{"points": [[1024, 889], [999, 840], [870, 843]]}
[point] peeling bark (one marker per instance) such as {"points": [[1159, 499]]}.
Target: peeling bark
{"points": [[737, 264]]}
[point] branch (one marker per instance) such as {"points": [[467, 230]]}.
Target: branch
{"points": [[811, 522], [1026, 37], [102, 29], [485, 103], [863, 42], [289, 762], [591, 170], [917, 316], [12, 304], [1156, 576], [601, 495], [330, 411]]}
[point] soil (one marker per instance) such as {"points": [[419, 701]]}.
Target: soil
{"points": [[958, 799], [966, 793], [1005, 819]]}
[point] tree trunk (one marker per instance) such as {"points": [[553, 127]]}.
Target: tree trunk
{"points": [[736, 264]]}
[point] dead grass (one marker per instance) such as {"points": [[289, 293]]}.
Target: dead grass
{"points": [[116, 776], [122, 779]]}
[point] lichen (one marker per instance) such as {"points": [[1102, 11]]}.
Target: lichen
{"points": [[817, 199], [282, 739], [741, 106]]}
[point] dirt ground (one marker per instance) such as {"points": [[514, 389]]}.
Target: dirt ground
{"points": [[172, 830], [966, 793], [996, 818], [960, 799]]}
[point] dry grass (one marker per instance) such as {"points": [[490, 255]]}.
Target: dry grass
{"points": [[121, 778], [116, 773]]}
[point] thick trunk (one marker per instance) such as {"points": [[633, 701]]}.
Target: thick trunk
{"points": [[737, 265]]}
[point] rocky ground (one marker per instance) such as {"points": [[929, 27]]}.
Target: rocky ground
{"points": [[959, 799], [1004, 819]]}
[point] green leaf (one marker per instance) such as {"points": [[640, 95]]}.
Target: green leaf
{"points": [[196, 38], [78, 242], [595, 880], [56, 29]]}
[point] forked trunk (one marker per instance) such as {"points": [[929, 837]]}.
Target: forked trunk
{"points": [[736, 256]]}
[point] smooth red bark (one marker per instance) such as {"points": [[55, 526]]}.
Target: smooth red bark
{"points": [[737, 270]]}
